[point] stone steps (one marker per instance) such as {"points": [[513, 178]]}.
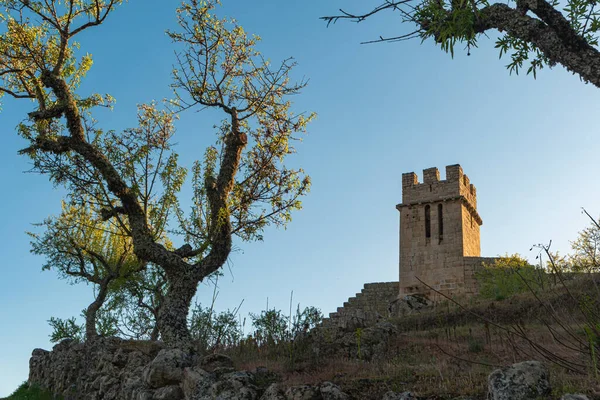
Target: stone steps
{"points": [[370, 302]]}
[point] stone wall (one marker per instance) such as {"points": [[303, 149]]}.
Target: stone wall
{"points": [[365, 308], [470, 234], [116, 369], [105, 369]]}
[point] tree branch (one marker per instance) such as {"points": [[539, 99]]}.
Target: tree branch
{"points": [[15, 94], [393, 5], [60, 145], [552, 34], [576, 55], [107, 214], [48, 113]]}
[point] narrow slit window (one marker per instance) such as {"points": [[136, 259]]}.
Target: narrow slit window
{"points": [[440, 221], [427, 221]]}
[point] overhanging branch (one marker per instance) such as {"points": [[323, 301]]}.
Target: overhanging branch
{"points": [[545, 28], [577, 56]]}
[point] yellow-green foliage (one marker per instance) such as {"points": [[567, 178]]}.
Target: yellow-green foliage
{"points": [[508, 276]]}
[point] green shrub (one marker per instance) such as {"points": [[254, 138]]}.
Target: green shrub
{"points": [[214, 330], [66, 329], [508, 276], [271, 327], [24, 392]]}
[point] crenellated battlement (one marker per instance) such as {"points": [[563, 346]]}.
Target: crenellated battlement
{"points": [[456, 184]]}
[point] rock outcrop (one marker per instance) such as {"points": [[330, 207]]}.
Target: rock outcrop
{"points": [[408, 305], [523, 381], [399, 396], [115, 369], [368, 343]]}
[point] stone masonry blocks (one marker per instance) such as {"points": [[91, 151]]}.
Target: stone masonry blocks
{"points": [[366, 307], [439, 227], [431, 175], [454, 173], [409, 179]]}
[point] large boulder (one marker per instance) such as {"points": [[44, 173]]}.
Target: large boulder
{"points": [[196, 382], [302, 392], [274, 392], [324, 391], [166, 368], [399, 396], [331, 391], [233, 386], [172, 392], [408, 305], [523, 381], [149, 348], [213, 361]]}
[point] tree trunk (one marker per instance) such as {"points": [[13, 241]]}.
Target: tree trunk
{"points": [[183, 280], [90, 314], [155, 332], [172, 315]]}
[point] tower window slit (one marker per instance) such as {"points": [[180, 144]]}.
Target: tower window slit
{"points": [[427, 221], [440, 221]]}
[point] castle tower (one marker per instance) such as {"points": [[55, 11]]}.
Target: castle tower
{"points": [[439, 233]]}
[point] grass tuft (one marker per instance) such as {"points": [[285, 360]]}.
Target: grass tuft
{"points": [[24, 392]]}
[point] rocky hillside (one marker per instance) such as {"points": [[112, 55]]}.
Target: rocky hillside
{"points": [[113, 369]]}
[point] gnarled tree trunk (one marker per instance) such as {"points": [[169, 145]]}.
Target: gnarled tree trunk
{"points": [[91, 332], [172, 316], [183, 282]]}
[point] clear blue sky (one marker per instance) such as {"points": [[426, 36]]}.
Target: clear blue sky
{"points": [[529, 146]]}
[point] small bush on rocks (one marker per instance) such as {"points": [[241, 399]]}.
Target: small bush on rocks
{"points": [[24, 392]]}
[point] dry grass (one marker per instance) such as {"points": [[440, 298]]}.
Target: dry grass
{"points": [[444, 353]]}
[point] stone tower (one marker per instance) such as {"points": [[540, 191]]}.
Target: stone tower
{"points": [[439, 233]]}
